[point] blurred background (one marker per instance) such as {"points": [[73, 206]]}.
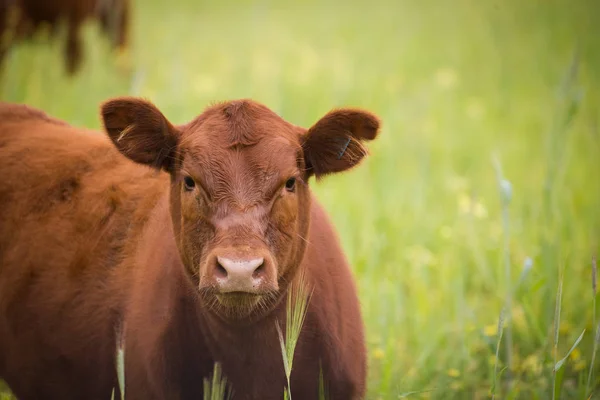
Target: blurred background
{"points": [[482, 193]]}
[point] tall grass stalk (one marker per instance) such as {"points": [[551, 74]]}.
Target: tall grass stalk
{"points": [[569, 98], [505, 196], [499, 332], [298, 297], [216, 388], [556, 332], [594, 325]]}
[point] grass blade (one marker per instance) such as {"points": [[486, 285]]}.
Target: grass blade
{"points": [[557, 379], [121, 370], [298, 298], [506, 195], [286, 364], [322, 386], [217, 387], [500, 330], [595, 325], [560, 363], [120, 362]]}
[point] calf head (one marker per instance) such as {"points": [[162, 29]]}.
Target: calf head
{"points": [[239, 197]]}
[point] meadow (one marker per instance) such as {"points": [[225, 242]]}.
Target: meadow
{"points": [[482, 193]]}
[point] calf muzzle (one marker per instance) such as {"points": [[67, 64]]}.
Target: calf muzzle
{"points": [[230, 272]]}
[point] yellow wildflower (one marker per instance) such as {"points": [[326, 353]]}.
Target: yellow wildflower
{"points": [[564, 328], [490, 330], [378, 353], [468, 205], [575, 354], [532, 364], [453, 373], [518, 317]]}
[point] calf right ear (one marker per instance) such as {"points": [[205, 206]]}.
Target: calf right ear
{"points": [[140, 131], [335, 142]]}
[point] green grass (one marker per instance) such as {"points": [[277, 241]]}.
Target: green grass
{"points": [[435, 249], [216, 388]]}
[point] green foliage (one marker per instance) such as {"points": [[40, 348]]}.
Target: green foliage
{"points": [[217, 387], [421, 220]]}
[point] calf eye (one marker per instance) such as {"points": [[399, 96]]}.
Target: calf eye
{"points": [[290, 184], [189, 183]]}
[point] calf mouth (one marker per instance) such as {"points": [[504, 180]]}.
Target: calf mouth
{"points": [[239, 305], [239, 299]]}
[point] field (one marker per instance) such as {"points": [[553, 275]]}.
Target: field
{"points": [[481, 194]]}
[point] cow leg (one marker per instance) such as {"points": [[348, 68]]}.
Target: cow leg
{"points": [[73, 49], [11, 22], [114, 18], [2, 56], [123, 28], [3, 35]]}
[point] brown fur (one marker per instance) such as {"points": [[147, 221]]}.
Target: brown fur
{"points": [[92, 244], [20, 19]]}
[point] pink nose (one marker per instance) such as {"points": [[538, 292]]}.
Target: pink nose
{"points": [[239, 275]]}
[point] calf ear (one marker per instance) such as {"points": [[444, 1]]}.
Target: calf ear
{"points": [[140, 131], [335, 142]]}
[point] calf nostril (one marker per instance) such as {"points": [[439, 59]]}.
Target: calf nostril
{"points": [[259, 270], [220, 271]]}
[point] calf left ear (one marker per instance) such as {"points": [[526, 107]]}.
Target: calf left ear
{"points": [[141, 132], [335, 142]]}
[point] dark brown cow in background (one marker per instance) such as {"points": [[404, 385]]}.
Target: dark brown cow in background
{"points": [[21, 19], [185, 239]]}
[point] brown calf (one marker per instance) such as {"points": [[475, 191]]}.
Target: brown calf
{"points": [[20, 19], [189, 255]]}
